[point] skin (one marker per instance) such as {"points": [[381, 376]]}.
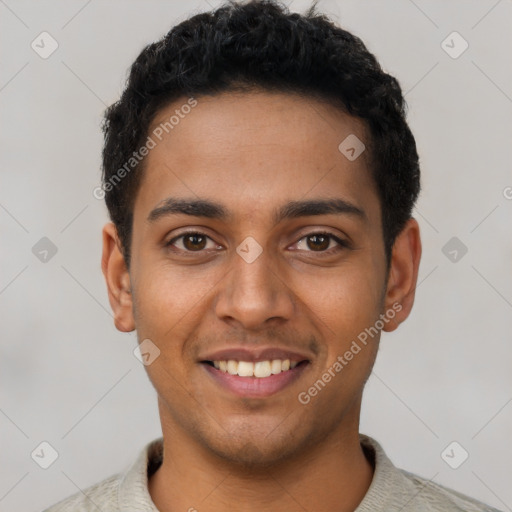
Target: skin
{"points": [[252, 153]]}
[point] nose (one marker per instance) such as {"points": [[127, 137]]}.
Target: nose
{"points": [[254, 294]]}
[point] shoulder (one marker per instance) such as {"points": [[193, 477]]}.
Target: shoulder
{"points": [[396, 489], [100, 496], [435, 497], [126, 490]]}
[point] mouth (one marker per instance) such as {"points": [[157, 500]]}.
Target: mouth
{"points": [[254, 379]]}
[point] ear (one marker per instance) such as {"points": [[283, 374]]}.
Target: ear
{"points": [[117, 278], [403, 274]]}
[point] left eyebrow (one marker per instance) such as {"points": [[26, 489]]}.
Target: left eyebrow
{"points": [[290, 210], [295, 209]]}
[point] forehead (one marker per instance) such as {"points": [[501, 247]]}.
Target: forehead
{"points": [[254, 151]]}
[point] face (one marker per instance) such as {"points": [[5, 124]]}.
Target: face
{"points": [[276, 262]]}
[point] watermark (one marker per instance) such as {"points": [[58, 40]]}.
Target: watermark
{"points": [[351, 147], [153, 139], [44, 455], [44, 45], [304, 397], [249, 249], [454, 455], [507, 192], [454, 249], [454, 45], [44, 250], [146, 352]]}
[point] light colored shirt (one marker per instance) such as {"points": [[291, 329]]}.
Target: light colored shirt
{"points": [[391, 490]]}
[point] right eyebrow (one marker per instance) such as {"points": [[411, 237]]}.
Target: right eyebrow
{"points": [[193, 207]]}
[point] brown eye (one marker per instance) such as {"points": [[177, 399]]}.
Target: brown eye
{"points": [[194, 242], [190, 242], [318, 242]]}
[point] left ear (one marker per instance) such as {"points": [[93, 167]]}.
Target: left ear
{"points": [[403, 274], [117, 279]]}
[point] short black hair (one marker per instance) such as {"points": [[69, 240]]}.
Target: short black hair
{"points": [[261, 45]]}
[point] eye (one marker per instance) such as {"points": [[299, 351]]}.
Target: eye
{"points": [[195, 241], [321, 242], [192, 241]]}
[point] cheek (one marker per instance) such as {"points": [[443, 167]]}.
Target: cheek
{"points": [[347, 300], [171, 299], [166, 292]]}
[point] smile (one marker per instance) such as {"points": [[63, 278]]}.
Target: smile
{"points": [[259, 379]]}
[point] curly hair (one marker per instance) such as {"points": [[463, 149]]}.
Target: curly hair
{"points": [[261, 45]]}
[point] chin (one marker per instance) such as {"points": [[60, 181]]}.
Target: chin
{"points": [[250, 457], [255, 450]]}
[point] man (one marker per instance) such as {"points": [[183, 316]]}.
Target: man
{"points": [[260, 177]]}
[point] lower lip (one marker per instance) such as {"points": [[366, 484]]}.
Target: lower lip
{"points": [[255, 387]]}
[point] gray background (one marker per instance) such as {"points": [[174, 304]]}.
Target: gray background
{"points": [[69, 378]]}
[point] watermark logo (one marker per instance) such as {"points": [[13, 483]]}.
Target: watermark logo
{"points": [[44, 45], [249, 250], [351, 147], [454, 455], [454, 249], [44, 250], [146, 352], [44, 455], [454, 45]]}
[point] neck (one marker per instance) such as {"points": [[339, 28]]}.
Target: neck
{"points": [[332, 476]]}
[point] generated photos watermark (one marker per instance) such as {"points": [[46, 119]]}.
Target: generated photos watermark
{"points": [[305, 397], [156, 136]]}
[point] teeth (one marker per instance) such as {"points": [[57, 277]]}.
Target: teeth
{"points": [[259, 369], [275, 366], [232, 367], [262, 369], [245, 369]]}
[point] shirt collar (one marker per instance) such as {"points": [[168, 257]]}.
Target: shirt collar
{"points": [[133, 493]]}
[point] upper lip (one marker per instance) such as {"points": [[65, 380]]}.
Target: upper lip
{"points": [[255, 354]]}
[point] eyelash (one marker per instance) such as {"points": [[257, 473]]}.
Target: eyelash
{"points": [[342, 244]]}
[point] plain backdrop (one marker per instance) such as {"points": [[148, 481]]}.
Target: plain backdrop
{"points": [[68, 378]]}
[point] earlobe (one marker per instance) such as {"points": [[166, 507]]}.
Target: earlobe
{"points": [[117, 279], [403, 275]]}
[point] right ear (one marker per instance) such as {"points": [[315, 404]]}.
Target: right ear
{"points": [[117, 278]]}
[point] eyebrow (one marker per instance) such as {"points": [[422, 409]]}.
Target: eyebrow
{"points": [[293, 209]]}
